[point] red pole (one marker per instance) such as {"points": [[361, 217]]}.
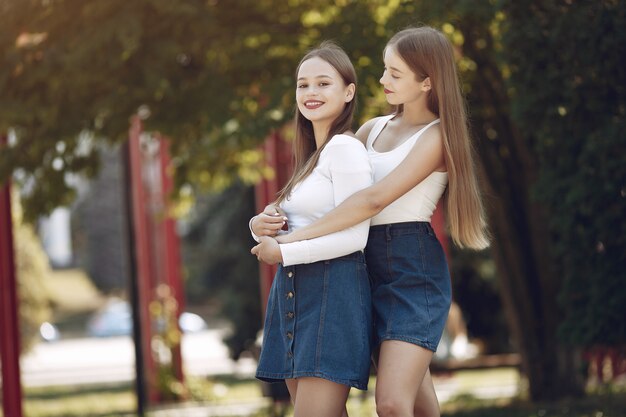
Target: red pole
{"points": [[9, 329], [278, 156], [171, 255], [264, 193], [145, 272]]}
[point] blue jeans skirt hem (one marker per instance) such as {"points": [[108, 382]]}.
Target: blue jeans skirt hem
{"points": [[273, 378], [412, 340]]}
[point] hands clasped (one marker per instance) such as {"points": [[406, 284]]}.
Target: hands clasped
{"points": [[266, 226], [269, 222], [267, 251]]}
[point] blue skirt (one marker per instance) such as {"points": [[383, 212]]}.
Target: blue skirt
{"points": [[318, 323], [411, 289]]}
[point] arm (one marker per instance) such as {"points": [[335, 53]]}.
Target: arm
{"points": [[350, 171], [425, 157]]}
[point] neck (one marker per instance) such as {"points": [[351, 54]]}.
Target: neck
{"points": [[417, 113], [320, 131]]}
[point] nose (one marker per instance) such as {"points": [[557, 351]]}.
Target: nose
{"points": [[383, 79], [311, 91]]}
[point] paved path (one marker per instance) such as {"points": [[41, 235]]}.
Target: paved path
{"points": [[98, 360]]}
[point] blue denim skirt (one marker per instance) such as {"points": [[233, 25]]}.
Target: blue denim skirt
{"points": [[411, 288], [318, 323]]}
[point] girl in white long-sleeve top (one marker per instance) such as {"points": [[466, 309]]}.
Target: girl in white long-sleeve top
{"points": [[318, 324]]}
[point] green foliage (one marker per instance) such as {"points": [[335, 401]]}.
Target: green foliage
{"points": [[215, 76], [31, 264], [570, 93]]}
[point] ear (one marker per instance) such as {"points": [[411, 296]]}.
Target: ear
{"points": [[426, 84], [350, 90]]}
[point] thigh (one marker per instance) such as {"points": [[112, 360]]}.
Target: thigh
{"points": [[401, 370], [317, 397], [292, 387], [426, 402]]}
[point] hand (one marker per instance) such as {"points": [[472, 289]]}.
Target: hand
{"points": [[267, 251], [269, 222], [272, 209]]}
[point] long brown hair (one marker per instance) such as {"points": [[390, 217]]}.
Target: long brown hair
{"points": [[429, 54], [304, 149]]}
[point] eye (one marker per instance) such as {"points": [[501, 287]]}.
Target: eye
{"points": [[324, 83], [395, 77], [302, 86]]}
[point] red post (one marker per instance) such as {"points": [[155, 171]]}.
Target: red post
{"points": [[9, 329], [145, 272], [157, 246], [171, 256], [277, 155]]}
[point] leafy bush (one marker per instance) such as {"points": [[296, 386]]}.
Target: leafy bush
{"points": [[32, 268]]}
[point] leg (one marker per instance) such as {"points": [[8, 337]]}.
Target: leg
{"points": [[401, 370], [426, 402], [317, 397], [292, 387]]}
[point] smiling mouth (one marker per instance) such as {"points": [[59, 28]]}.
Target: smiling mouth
{"points": [[388, 91], [313, 104]]}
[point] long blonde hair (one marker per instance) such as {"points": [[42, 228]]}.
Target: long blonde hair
{"points": [[429, 54], [304, 148]]}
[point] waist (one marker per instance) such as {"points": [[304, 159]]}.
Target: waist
{"points": [[401, 228], [358, 256]]}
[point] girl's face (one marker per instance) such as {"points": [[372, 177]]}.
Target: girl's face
{"points": [[321, 93], [400, 82]]}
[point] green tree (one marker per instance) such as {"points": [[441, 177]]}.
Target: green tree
{"points": [[571, 93]]}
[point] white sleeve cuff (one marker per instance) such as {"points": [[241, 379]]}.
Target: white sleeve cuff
{"points": [[254, 236]]}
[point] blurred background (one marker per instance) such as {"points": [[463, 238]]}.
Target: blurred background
{"points": [[205, 92]]}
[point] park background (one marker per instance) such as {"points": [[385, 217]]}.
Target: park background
{"points": [[544, 82]]}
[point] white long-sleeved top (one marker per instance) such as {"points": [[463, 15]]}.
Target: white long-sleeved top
{"points": [[342, 169]]}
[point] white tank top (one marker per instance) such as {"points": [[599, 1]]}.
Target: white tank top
{"points": [[418, 203]]}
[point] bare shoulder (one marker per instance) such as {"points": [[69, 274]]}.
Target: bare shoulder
{"points": [[366, 128], [434, 132], [430, 145]]}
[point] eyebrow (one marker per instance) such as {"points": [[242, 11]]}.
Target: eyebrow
{"points": [[319, 76], [395, 69]]}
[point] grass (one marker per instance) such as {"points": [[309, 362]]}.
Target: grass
{"points": [[119, 400], [594, 405], [83, 401]]}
